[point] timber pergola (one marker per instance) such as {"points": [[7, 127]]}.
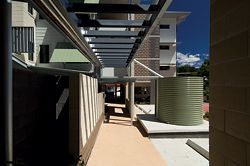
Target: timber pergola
{"points": [[98, 36], [115, 40]]}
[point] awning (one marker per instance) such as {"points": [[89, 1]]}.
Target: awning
{"points": [[65, 52]]}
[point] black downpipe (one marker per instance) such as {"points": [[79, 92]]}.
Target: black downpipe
{"points": [[6, 111]]}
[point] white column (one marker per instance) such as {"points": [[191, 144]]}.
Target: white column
{"points": [[131, 94], [152, 92], [131, 100]]}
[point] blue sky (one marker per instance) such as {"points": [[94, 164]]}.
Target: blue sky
{"points": [[193, 34]]}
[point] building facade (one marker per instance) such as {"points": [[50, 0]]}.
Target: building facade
{"points": [[36, 42], [23, 32], [157, 56]]}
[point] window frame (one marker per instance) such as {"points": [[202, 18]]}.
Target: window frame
{"points": [[30, 9], [164, 67]]}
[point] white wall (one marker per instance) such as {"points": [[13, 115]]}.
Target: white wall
{"points": [[168, 56], [107, 72], [168, 35], [46, 34], [113, 72]]}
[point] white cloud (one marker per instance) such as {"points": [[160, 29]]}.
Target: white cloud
{"points": [[188, 59], [205, 55]]}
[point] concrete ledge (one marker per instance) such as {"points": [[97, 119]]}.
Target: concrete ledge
{"points": [[198, 148], [156, 128]]}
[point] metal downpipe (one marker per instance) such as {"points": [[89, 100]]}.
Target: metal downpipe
{"points": [[6, 111]]}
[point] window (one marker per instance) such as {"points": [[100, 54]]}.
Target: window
{"points": [[44, 54], [30, 9], [164, 67], [164, 26], [23, 40], [30, 56], [30, 53], [164, 47]]}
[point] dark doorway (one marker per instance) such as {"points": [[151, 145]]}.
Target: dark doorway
{"points": [[115, 93], [44, 53]]}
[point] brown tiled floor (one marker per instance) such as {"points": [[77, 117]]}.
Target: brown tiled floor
{"points": [[120, 144]]}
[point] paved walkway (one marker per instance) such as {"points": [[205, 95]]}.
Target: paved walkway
{"points": [[120, 144]]}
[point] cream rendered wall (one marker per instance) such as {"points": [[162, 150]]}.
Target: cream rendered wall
{"points": [[22, 18], [107, 72], [90, 106], [46, 34], [20, 15], [168, 35], [168, 56], [86, 109]]}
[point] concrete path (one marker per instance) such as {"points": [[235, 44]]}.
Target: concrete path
{"points": [[177, 153], [120, 144]]}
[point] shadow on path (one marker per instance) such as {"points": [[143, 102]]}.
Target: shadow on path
{"points": [[118, 115]]}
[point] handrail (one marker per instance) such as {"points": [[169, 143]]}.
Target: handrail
{"points": [[146, 67]]}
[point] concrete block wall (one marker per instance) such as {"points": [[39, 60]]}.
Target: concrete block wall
{"points": [[141, 71], [169, 73], [86, 107], [230, 83], [149, 51]]}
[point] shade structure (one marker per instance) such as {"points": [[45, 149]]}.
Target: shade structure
{"points": [[110, 35], [87, 22]]}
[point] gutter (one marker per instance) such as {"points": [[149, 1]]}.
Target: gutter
{"points": [[48, 70]]}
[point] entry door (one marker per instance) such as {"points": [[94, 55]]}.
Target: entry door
{"points": [[44, 53]]}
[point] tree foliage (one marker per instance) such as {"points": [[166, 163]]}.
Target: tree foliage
{"points": [[186, 69], [203, 71]]}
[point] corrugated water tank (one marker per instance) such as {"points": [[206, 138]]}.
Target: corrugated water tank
{"points": [[179, 100]]}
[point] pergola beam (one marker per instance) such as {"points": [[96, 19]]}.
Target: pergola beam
{"points": [[154, 21], [126, 34], [113, 41], [114, 23], [111, 8], [112, 46], [112, 51]]}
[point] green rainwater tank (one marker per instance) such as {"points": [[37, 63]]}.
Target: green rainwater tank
{"points": [[179, 100]]}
